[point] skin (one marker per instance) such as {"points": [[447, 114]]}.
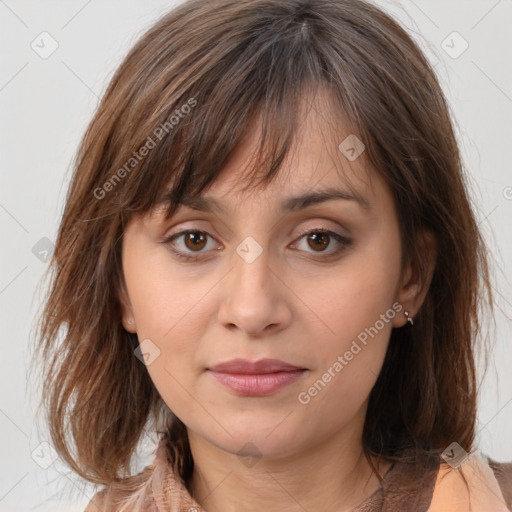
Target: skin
{"points": [[294, 303]]}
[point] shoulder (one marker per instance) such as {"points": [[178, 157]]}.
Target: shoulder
{"points": [[130, 493], [470, 487]]}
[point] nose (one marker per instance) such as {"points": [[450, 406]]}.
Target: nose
{"points": [[254, 298]]}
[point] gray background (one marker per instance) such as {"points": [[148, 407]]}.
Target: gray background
{"points": [[46, 104]]}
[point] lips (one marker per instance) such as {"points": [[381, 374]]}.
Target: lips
{"points": [[243, 366], [256, 378]]}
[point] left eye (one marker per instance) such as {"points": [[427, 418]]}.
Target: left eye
{"points": [[319, 239], [195, 241]]}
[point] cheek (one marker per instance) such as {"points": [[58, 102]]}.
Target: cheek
{"points": [[353, 296], [168, 304], [164, 296], [356, 309], [169, 310]]}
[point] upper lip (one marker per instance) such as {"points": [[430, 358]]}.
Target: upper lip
{"points": [[254, 367]]}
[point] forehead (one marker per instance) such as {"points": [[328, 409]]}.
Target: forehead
{"points": [[319, 162]]}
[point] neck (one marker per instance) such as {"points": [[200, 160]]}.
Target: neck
{"points": [[333, 475]]}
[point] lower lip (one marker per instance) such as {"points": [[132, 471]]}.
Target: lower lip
{"points": [[258, 384]]}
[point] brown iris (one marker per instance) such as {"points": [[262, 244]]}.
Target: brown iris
{"points": [[320, 240], [193, 238]]}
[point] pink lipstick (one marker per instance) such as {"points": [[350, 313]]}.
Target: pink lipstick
{"points": [[258, 378]]}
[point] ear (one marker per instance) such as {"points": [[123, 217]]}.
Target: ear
{"points": [[415, 281], [128, 318]]}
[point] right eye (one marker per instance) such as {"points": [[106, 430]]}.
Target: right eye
{"points": [[193, 240]]}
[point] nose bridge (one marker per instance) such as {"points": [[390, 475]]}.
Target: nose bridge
{"points": [[251, 263], [251, 300]]}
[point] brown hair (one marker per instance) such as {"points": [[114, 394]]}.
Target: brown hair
{"points": [[228, 61]]}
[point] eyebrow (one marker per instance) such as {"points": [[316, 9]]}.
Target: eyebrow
{"points": [[290, 204]]}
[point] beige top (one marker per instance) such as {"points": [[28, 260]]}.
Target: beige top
{"points": [[406, 488]]}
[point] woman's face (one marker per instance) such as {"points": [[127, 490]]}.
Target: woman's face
{"points": [[261, 288]]}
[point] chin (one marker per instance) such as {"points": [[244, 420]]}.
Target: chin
{"points": [[257, 439]]}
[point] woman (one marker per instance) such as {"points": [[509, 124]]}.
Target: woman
{"points": [[269, 256]]}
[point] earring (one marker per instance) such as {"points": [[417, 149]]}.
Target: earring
{"points": [[410, 320]]}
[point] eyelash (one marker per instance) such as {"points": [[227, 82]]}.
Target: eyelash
{"points": [[187, 257]]}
